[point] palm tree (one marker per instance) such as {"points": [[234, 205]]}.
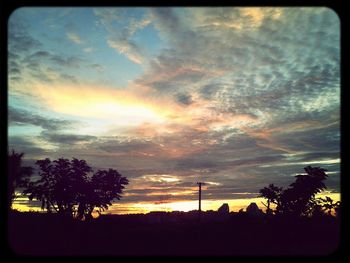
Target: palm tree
{"points": [[17, 175]]}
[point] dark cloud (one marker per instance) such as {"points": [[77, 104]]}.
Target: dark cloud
{"points": [[22, 117], [170, 73], [124, 146], [15, 70], [166, 20], [315, 139], [67, 62], [25, 145], [69, 77], [69, 139], [41, 54], [15, 78], [209, 91], [183, 98], [43, 57], [12, 56], [18, 38], [49, 67], [96, 67], [190, 163]]}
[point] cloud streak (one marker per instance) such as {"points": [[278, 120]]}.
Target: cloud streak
{"points": [[121, 39], [22, 117], [74, 37]]}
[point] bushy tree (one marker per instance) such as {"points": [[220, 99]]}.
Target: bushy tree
{"points": [[299, 199], [100, 191], [66, 187], [17, 175]]}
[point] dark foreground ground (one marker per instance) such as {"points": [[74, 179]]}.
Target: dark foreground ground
{"points": [[42, 234]]}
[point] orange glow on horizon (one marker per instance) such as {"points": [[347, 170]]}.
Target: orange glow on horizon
{"points": [[180, 205]]}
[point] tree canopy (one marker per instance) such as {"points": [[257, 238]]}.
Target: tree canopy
{"points": [[299, 199], [67, 187]]}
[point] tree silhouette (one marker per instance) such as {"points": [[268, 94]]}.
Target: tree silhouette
{"points": [[100, 191], [328, 205], [66, 187], [272, 193], [299, 199], [17, 175]]}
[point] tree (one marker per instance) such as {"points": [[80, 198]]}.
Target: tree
{"points": [[100, 191], [299, 199], [327, 205], [272, 193], [17, 175], [59, 184], [66, 187]]}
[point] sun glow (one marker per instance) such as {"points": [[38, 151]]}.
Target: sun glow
{"points": [[107, 103]]}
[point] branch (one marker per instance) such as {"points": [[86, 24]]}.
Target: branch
{"points": [[53, 206], [264, 204]]}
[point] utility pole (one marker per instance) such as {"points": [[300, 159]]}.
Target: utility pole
{"points": [[200, 199]]}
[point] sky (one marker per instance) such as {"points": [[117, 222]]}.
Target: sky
{"points": [[237, 98]]}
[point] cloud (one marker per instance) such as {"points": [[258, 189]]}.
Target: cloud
{"points": [[23, 117], [19, 39], [20, 43], [62, 138], [171, 73], [235, 96], [67, 62], [69, 77], [185, 99], [89, 49], [111, 105], [166, 21], [45, 66], [122, 30], [43, 57], [40, 54], [241, 87], [14, 68], [97, 67], [74, 37], [25, 145], [209, 91], [127, 48], [237, 19], [108, 15]]}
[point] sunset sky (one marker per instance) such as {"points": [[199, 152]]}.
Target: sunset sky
{"points": [[235, 97]]}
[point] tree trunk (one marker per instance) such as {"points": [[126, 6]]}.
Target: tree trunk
{"points": [[268, 211]]}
